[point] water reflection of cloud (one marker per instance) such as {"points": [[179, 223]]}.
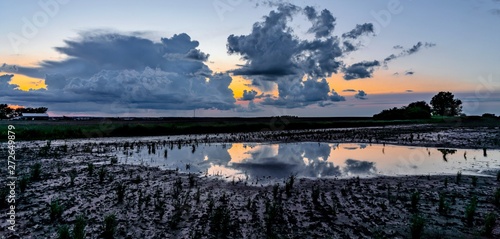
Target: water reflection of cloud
{"points": [[308, 159], [317, 151], [359, 167], [272, 169], [304, 159]]}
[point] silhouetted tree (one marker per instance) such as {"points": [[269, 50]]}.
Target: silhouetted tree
{"points": [[415, 110], [418, 110], [5, 111], [445, 104], [8, 112]]}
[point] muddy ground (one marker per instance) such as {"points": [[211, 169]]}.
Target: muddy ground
{"points": [[153, 203]]}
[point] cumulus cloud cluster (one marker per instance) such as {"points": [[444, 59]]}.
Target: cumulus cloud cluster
{"points": [[274, 54], [104, 69], [127, 72]]}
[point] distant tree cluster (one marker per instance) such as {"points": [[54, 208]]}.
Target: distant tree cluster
{"points": [[7, 112], [415, 110], [443, 104]]}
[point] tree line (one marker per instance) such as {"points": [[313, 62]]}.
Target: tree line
{"points": [[442, 104], [7, 112]]}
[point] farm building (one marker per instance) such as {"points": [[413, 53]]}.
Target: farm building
{"points": [[33, 116]]}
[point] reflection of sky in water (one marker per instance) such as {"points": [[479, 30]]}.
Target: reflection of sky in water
{"points": [[308, 159]]}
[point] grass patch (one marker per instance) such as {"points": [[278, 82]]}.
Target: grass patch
{"points": [[102, 174], [109, 227], [474, 181], [90, 169], [444, 206], [489, 224], [72, 175], [63, 232], [415, 197], [458, 179], [56, 210], [417, 225], [470, 210], [36, 172], [120, 192], [3, 198], [23, 183], [79, 227], [496, 197]]}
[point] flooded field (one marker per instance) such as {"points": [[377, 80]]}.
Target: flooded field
{"points": [[270, 186]]}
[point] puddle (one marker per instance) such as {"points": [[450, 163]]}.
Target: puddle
{"points": [[252, 161]]}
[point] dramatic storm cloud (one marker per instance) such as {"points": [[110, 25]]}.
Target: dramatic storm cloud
{"points": [[273, 53], [130, 72]]}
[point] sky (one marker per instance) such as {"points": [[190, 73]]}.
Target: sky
{"points": [[247, 58]]}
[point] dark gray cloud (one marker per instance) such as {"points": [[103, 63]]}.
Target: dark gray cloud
{"points": [[409, 73], [359, 30], [271, 50], [297, 93], [270, 47], [351, 41], [406, 52], [4, 83], [409, 91], [249, 95], [349, 90], [334, 96], [196, 54], [127, 73], [349, 46], [275, 55], [323, 24], [361, 95], [360, 70]]}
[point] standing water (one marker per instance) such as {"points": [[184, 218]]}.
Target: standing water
{"points": [[315, 160]]}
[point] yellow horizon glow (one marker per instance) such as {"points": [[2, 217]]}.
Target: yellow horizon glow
{"points": [[26, 83], [383, 82], [389, 84]]}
